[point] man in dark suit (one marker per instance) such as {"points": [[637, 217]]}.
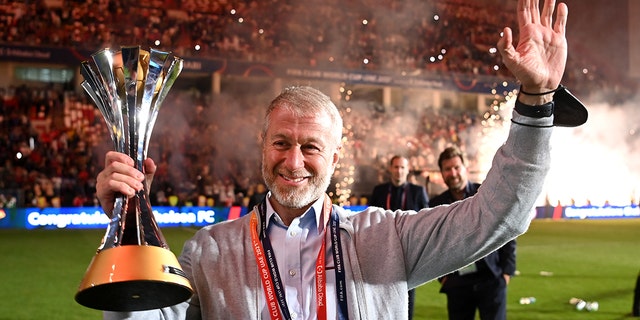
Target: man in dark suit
{"points": [[399, 194], [481, 285]]}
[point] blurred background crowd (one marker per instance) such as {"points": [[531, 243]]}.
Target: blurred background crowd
{"points": [[413, 36], [53, 139], [52, 146]]}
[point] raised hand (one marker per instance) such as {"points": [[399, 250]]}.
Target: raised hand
{"points": [[540, 57]]}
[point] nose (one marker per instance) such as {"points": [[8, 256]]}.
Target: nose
{"points": [[294, 159]]}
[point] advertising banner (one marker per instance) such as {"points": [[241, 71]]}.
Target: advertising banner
{"points": [[93, 218]]}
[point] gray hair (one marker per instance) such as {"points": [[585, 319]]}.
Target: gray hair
{"points": [[304, 101]]}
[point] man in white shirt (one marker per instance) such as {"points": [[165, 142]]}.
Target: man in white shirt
{"points": [[299, 257]]}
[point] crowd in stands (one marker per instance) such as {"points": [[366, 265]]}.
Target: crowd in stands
{"points": [[390, 34], [46, 158], [53, 146], [436, 36], [52, 141]]}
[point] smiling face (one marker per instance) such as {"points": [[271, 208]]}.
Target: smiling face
{"points": [[454, 173], [298, 158], [299, 154]]}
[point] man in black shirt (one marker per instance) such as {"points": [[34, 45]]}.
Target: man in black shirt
{"points": [[481, 285]]}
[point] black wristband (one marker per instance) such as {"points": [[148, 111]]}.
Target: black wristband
{"points": [[531, 125], [540, 93], [541, 111], [566, 109]]}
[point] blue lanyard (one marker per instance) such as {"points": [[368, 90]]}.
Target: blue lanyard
{"points": [[341, 288], [341, 283]]}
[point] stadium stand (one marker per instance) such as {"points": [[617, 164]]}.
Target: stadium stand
{"points": [[52, 138]]}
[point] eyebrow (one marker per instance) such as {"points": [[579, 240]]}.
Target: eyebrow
{"points": [[310, 139]]}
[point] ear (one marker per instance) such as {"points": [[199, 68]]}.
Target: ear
{"points": [[336, 156]]}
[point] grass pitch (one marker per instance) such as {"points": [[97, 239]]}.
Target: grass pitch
{"points": [[595, 260]]}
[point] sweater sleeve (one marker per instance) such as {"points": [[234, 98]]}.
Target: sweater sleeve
{"points": [[445, 238]]}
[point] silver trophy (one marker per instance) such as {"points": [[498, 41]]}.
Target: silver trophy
{"points": [[133, 268]]}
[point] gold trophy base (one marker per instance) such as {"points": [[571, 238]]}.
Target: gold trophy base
{"points": [[133, 278]]}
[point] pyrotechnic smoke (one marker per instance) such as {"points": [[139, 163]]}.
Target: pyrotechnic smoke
{"points": [[594, 163], [598, 162]]}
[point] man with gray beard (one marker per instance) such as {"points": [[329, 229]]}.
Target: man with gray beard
{"points": [[297, 256]]}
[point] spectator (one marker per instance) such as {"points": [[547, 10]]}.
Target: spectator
{"points": [[481, 285], [399, 194]]}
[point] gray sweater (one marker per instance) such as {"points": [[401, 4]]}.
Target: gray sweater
{"points": [[386, 252]]}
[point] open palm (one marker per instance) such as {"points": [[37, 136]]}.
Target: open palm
{"points": [[540, 57]]}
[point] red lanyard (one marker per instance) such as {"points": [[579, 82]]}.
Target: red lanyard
{"points": [[321, 282], [271, 283], [265, 276]]}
